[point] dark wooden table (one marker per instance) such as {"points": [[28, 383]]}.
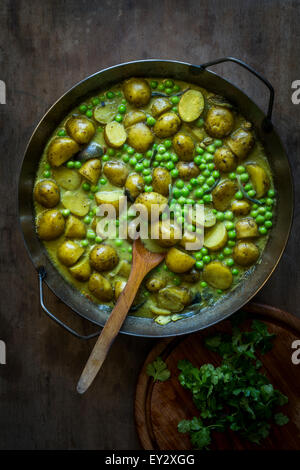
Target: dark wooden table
{"points": [[45, 47]]}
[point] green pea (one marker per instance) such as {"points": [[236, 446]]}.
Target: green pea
{"points": [[220, 256], [229, 225], [231, 234], [235, 271], [261, 210], [62, 133], [232, 175], [182, 200], [185, 191], [119, 118], [151, 121], [110, 152], [170, 165], [210, 181], [198, 160], [166, 156], [201, 180], [161, 149], [148, 179], [155, 164], [199, 150], [239, 195], [216, 174], [89, 113], [130, 151], [269, 202], [87, 219], [83, 108], [262, 230], [179, 184], [251, 193], [203, 284], [175, 99], [229, 262], [268, 223], [70, 164], [77, 165], [199, 193], [227, 251], [125, 158], [204, 250], [220, 216], [206, 173], [118, 242], [84, 243], [94, 188], [254, 214], [271, 193], [206, 259], [122, 109], [168, 91], [139, 167], [132, 161], [98, 239], [218, 143], [174, 173], [90, 106], [176, 281], [231, 243], [110, 95], [268, 215], [260, 219], [175, 109], [176, 88], [129, 249], [199, 122], [207, 198], [90, 234], [95, 101], [65, 212], [153, 84], [244, 177], [148, 189], [103, 181], [161, 87], [240, 169], [248, 187], [198, 255], [86, 186], [105, 158], [199, 265], [47, 174], [228, 215], [211, 149], [168, 144], [169, 83]]}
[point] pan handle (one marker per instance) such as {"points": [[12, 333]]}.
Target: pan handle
{"points": [[267, 123], [42, 274]]}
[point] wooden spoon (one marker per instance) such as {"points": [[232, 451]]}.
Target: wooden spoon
{"points": [[143, 262]]}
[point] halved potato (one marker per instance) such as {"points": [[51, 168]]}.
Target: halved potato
{"points": [[216, 237], [119, 287], [134, 185], [259, 179], [166, 125], [174, 298], [67, 178], [75, 228], [77, 202], [245, 253], [80, 128], [184, 146], [240, 207], [103, 257], [223, 194], [178, 261], [140, 137], [61, 149], [199, 134], [69, 252], [115, 198], [100, 287], [105, 112], [190, 241], [150, 199], [159, 106], [155, 282], [217, 275], [224, 159], [137, 91], [81, 271], [116, 171], [219, 122], [91, 170], [161, 180], [246, 228], [46, 193], [50, 224], [187, 170], [115, 134], [191, 105], [133, 117], [240, 142], [169, 233]]}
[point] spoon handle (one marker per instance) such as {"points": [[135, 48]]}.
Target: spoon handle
{"points": [[111, 329]]}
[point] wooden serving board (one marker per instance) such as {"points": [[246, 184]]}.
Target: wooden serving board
{"points": [[160, 406]]}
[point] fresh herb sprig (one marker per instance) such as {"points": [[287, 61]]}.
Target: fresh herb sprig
{"points": [[158, 370]]}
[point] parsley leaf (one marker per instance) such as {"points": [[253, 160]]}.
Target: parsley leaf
{"points": [[281, 419], [158, 370]]}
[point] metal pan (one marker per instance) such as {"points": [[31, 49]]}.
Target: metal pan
{"points": [[195, 319]]}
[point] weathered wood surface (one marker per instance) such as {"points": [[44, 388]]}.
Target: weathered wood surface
{"points": [[45, 47]]}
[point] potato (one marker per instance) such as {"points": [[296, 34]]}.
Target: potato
{"points": [[174, 298], [69, 252], [133, 117], [259, 179], [159, 106], [91, 170], [150, 199], [140, 137], [103, 257], [161, 180], [47, 193], [105, 112], [115, 198], [240, 143], [191, 105], [67, 178], [50, 225], [224, 160], [223, 194], [100, 287], [187, 170], [209, 217], [124, 268], [60, 150], [155, 282], [115, 134], [246, 228], [217, 275], [197, 133], [92, 150], [119, 287], [80, 128], [178, 261], [134, 185], [190, 238], [81, 271], [240, 207], [219, 122], [166, 125], [77, 202], [168, 231], [206, 218], [245, 253], [191, 276], [116, 172], [137, 91], [216, 237], [184, 147], [75, 228]]}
